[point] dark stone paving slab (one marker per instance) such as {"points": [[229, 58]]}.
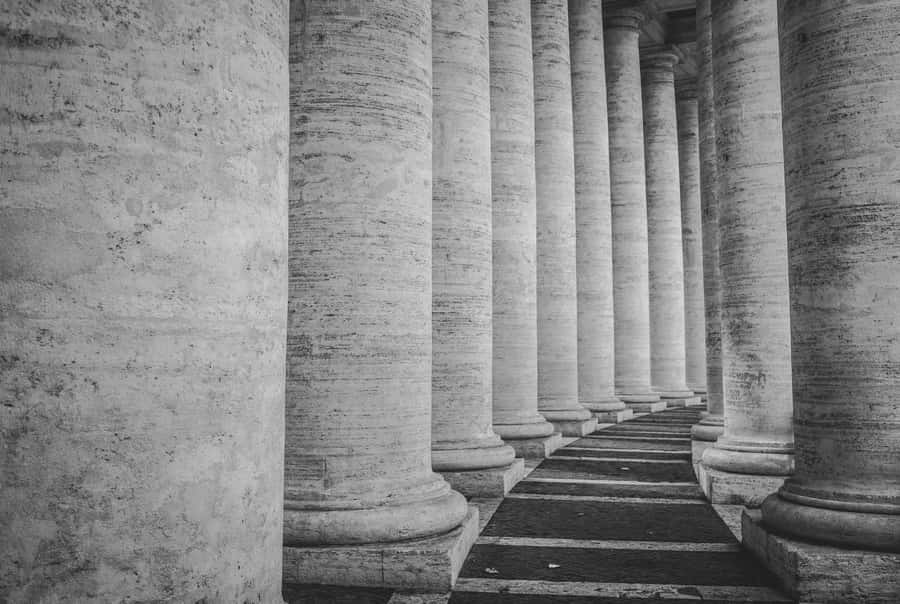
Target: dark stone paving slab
{"points": [[331, 594], [615, 566], [691, 491], [507, 598], [675, 455], [562, 519], [632, 443], [561, 467]]}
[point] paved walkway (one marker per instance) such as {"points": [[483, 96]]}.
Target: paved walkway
{"points": [[613, 517]]}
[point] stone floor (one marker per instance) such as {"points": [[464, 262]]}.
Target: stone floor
{"points": [[616, 516]]}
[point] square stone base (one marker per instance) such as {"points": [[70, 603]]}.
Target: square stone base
{"points": [[647, 407], [431, 564], [697, 449], [733, 488], [536, 448], [490, 482], [613, 417], [576, 428], [821, 573], [674, 403]]}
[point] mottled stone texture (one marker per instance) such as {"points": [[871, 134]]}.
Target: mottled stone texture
{"points": [[691, 235], [513, 193], [629, 210], [358, 429], [557, 305], [756, 354], [840, 66], [666, 270], [596, 344], [711, 426], [142, 300], [462, 437]]}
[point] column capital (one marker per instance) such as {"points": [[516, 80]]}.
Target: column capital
{"points": [[659, 58], [686, 89], [620, 14]]}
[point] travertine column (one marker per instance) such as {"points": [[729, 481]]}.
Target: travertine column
{"points": [[596, 344], [143, 212], [358, 433], [691, 235], [557, 302], [665, 260], [461, 248], [713, 423], [756, 355], [628, 194], [843, 204], [516, 418]]}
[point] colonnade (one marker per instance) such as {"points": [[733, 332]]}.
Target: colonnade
{"points": [[405, 243]]}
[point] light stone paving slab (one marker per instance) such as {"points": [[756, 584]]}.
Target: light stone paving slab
{"points": [[609, 482], [618, 459], [662, 546], [602, 499]]}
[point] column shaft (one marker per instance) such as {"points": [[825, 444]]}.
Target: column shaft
{"points": [[515, 406], [843, 207], [629, 208], [753, 245], [557, 303], [358, 433], [596, 323], [711, 426], [461, 241], [665, 255], [143, 216]]}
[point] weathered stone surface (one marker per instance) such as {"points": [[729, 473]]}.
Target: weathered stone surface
{"points": [[536, 448], [665, 256], [487, 482], [614, 417], [629, 210], [691, 235], [431, 563], [142, 300], [557, 301], [462, 437], [843, 204], [358, 433], [735, 487], [820, 573], [513, 192], [756, 354], [712, 424], [596, 322]]}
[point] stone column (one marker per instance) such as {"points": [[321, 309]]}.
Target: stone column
{"points": [[755, 453], [666, 270], [143, 212], [557, 294], [516, 417], [596, 344], [628, 193], [843, 226], [358, 433], [711, 426], [465, 449], [691, 235]]}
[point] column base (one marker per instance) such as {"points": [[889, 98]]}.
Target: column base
{"points": [[575, 427], [532, 427], [697, 449], [708, 429], [429, 564], [477, 456], [735, 488], [613, 417], [820, 573], [681, 401], [646, 407], [489, 482], [536, 448]]}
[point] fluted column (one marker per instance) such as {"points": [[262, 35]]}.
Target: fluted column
{"points": [[756, 354], [691, 235], [358, 434], [596, 324], [461, 245], [143, 218], [516, 417], [557, 303], [843, 208], [665, 259], [713, 423], [628, 193]]}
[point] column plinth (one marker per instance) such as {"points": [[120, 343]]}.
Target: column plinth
{"points": [[462, 437], [557, 293], [358, 423], [755, 451], [515, 408], [628, 198]]}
